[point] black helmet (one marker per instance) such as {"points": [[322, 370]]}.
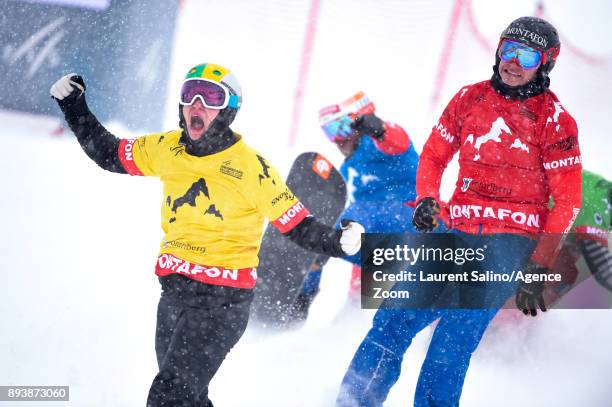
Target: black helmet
{"points": [[538, 34]]}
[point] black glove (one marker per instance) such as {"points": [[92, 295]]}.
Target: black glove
{"points": [[369, 124], [424, 218], [529, 296]]}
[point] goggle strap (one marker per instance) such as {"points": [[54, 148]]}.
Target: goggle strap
{"points": [[233, 101], [550, 55]]}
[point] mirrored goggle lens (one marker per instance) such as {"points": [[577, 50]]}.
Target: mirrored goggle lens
{"points": [[212, 94], [339, 128], [527, 57]]}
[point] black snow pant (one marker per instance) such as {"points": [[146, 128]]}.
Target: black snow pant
{"points": [[197, 325]]}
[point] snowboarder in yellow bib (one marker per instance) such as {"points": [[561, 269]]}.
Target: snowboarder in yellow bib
{"points": [[217, 193]]}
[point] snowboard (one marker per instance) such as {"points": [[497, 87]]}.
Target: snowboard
{"points": [[282, 263]]}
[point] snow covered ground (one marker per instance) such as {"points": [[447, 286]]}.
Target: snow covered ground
{"points": [[78, 296]]}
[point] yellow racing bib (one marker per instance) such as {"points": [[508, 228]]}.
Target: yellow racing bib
{"points": [[213, 207]]}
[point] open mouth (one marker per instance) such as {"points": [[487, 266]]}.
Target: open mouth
{"points": [[514, 74], [196, 123]]}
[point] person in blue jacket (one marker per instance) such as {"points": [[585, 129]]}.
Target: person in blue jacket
{"points": [[380, 172]]}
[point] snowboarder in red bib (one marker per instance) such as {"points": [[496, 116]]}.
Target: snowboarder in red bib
{"points": [[518, 146]]}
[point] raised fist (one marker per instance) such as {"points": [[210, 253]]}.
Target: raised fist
{"points": [[70, 86]]}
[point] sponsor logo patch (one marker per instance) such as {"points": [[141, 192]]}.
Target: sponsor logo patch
{"points": [[228, 170], [533, 37], [444, 132], [484, 212], [291, 217], [466, 184], [179, 266], [185, 246], [291, 213], [126, 155], [322, 167], [485, 188], [217, 275], [564, 145], [128, 148], [286, 195], [592, 230], [564, 162]]}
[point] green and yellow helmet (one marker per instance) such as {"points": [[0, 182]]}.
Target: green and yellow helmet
{"points": [[222, 76]]}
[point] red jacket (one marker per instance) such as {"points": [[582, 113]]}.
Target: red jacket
{"points": [[513, 156]]}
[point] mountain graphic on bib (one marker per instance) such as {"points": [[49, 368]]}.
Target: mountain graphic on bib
{"points": [[498, 127], [197, 188], [189, 198]]}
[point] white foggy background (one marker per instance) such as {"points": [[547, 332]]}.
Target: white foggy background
{"points": [[78, 294]]}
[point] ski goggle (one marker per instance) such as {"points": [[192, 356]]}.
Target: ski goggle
{"points": [[336, 120], [527, 57], [212, 94], [338, 128]]}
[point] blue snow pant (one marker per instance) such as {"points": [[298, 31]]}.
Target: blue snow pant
{"points": [[375, 217], [376, 365]]}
